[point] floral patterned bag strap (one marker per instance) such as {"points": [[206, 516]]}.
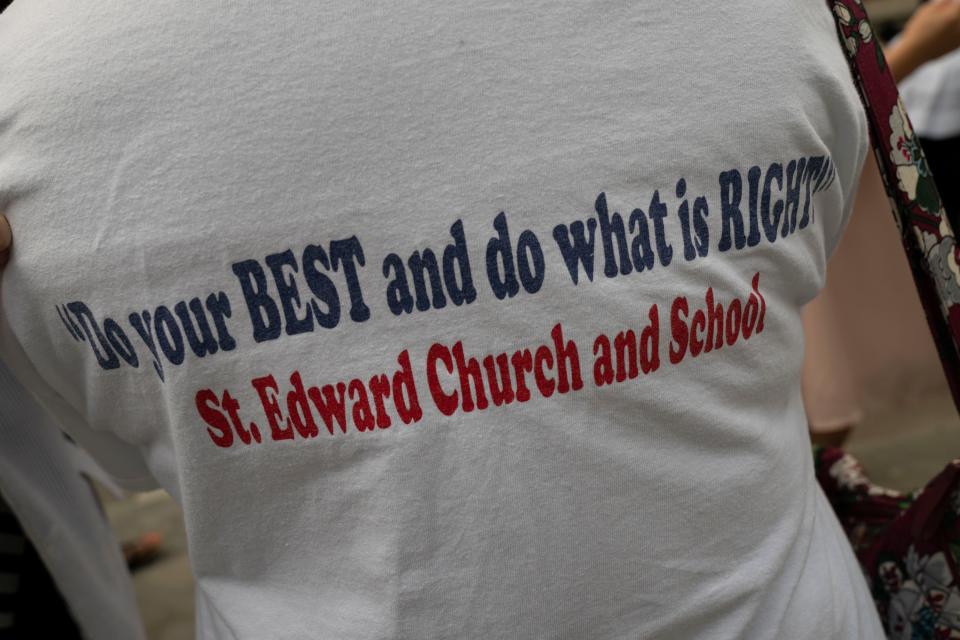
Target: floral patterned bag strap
{"points": [[926, 232]]}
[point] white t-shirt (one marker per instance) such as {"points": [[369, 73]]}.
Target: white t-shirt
{"points": [[43, 479], [932, 96], [444, 320]]}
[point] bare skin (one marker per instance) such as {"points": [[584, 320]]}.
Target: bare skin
{"points": [[932, 31], [6, 239]]}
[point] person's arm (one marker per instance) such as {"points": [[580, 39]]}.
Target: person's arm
{"points": [[932, 31], [6, 239]]}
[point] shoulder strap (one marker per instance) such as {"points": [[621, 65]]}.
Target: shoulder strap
{"points": [[925, 230]]}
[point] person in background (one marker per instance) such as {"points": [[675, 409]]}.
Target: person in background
{"points": [[831, 388], [932, 97]]}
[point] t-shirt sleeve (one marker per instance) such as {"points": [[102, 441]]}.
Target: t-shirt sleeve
{"points": [[122, 461], [25, 32]]}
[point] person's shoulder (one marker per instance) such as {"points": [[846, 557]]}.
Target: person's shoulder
{"points": [[32, 30], [62, 44], [41, 50]]}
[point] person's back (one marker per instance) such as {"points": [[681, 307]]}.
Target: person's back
{"points": [[407, 304]]}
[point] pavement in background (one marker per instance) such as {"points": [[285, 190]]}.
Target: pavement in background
{"points": [[893, 454], [904, 449], [165, 587]]}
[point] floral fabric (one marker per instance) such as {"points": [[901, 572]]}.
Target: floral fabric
{"points": [[926, 232], [908, 544]]}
